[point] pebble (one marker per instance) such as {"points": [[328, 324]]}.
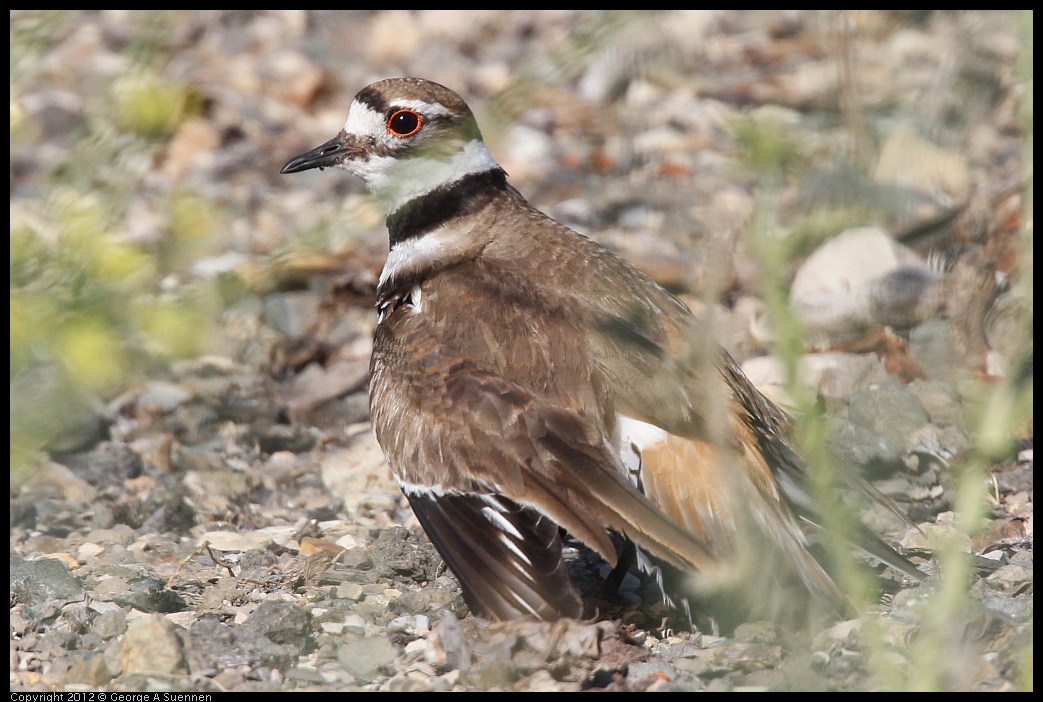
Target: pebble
{"points": [[367, 658], [152, 645], [889, 410], [44, 579]]}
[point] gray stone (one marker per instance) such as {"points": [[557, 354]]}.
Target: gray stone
{"points": [[291, 313], [369, 657], [931, 346], [941, 400], [281, 622], [148, 594], [110, 624], [890, 410], [858, 447], [45, 579], [450, 643], [399, 554]]}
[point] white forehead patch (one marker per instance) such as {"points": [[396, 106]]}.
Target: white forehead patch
{"points": [[363, 120]]}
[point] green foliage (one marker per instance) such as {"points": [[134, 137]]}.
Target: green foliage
{"points": [[948, 610], [768, 146], [88, 308], [146, 104]]}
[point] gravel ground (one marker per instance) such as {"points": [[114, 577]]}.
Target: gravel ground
{"points": [[227, 522]]}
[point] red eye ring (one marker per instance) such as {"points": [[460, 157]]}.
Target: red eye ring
{"points": [[405, 123]]}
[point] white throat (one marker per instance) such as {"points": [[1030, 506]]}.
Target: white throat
{"points": [[396, 181]]}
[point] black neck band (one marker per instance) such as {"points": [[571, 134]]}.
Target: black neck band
{"points": [[427, 212]]}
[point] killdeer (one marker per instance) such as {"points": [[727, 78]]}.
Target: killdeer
{"points": [[524, 378]]}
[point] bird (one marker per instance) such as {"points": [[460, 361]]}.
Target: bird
{"points": [[526, 383]]}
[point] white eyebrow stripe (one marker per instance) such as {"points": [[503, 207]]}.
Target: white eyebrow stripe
{"points": [[427, 108]]}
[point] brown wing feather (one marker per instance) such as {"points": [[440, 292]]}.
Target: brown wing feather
{"points": [[656, 369], [470, 431]]}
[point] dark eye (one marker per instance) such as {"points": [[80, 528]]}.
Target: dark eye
{"points": [[405, 123]]}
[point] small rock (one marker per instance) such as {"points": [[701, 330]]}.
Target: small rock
{"points": [[872, 453], [492, 674], [428, 600], [931, 346], [413, 624], [282, 622], [834, 375], [142, 592], [409, 682], [230, 541], [356, 473], [543, 681], [932, 537], [217, 484], [641, 671], [71, 487], [349, 591], [159, 397], [119, 534], [89, 551], [839, 289], [151, 645], [940, 399], [44, 579], [399, 554], [1010, 576], [890, 410], [109, 624], [369, 657], [92, 671], [354, 624], [450, 646]]}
